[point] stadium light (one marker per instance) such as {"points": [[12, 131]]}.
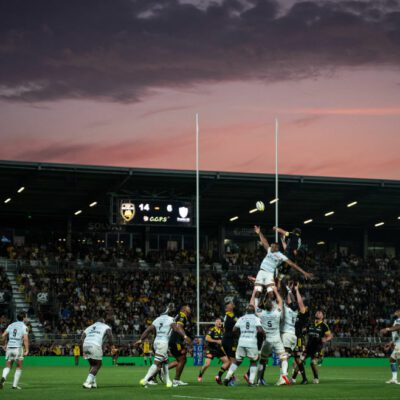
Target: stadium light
{"points": [[78, 212], [93, 204], [273, 201], [308, 221], [379, 224], [352, 204], [7, 200], [253, 211], [398, 217], [234, 218], [329, 213], [21, 189], [320, 243]]}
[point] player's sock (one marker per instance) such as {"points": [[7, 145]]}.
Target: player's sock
{"points": [[285, 366], [261, 371], [231, 371], [17, 375], [152, 371], [221, 372], [302, 371], [257, 301], [253, 371], [6, 371], [200, 374], [393, 367], [90, 379], [315, 371], [166, 372]]}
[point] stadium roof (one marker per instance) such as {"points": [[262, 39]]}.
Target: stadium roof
{"points": [[56, 191]]}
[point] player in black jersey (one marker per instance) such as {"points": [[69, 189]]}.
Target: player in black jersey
{"points": [[318, 334], [228, 339], [301, 327], [177, 345], [291, 242], [215, 350]]}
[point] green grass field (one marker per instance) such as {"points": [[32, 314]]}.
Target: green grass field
{"points": [[58, 383]]}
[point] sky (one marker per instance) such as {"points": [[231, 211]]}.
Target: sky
{"points": [[118, 82]]}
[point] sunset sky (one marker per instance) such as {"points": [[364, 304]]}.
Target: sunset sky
{"points": [[118, 82]]}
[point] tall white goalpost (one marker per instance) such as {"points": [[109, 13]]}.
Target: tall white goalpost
{"points": [[197, 228], [276, 179]]}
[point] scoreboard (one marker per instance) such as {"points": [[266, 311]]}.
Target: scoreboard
{"points": [[131, 211]]}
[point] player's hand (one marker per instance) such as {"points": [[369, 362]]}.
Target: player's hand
{"points": [[26, 352], [251, 278], [257, 229], [308, 275], [187, 340], [138, 343], [383, 331], [219, 342], [275, 228]]}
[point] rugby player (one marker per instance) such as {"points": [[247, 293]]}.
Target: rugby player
{"points": [[395, 345], [318, 334], [215, 350], [266, 274], [93, 339], [17, 346], [163, 326], [249, 327], [271, 320], [177, 344]]}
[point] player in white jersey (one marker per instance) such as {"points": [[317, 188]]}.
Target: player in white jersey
{"points": [[163, 327], [17, 346], [266, 274], [270, 319], [93, 339], [249, 326], [291, 309], [395, 345]]}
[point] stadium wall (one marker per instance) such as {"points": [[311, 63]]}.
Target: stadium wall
{"points": [[46, 361]]}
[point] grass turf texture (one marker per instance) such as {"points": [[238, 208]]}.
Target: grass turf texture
{"points": [[344, 383]]}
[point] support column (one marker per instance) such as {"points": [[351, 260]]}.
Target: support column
{"points": [[365, 243]]}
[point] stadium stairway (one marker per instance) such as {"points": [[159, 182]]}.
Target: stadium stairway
{"points": [[22, 306]]}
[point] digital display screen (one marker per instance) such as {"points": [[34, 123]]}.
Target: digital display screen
{"points": [[154, 212]]}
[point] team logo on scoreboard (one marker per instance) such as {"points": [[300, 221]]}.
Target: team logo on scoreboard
{"points": [[183, 214], [127, 211]]}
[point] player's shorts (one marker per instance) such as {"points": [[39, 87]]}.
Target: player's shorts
{"points": [[264, 278], [160, 348], [289, 340], [272, 345], [314, 350], [92, 352], [396, 353], [177, 349], [249, 352], [229, 347], [14, 354], [215, 353]]}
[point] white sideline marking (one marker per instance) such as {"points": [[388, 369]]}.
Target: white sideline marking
{"points": [[195, 397]]}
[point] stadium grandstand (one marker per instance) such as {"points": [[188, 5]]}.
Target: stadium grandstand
{"points": [[67, 248]]}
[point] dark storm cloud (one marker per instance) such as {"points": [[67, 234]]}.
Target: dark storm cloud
{"points": [[120, 49]]}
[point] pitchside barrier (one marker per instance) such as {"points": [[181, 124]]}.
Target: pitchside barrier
{"points": [[46, 361]]}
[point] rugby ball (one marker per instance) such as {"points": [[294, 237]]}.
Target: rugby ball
{"points": [[260, 206]]}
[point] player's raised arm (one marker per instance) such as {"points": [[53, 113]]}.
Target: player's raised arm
{"points": [[278, 297], [302, 307], [394, 328], [281, 231], [263, 239], [306, 275]]}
